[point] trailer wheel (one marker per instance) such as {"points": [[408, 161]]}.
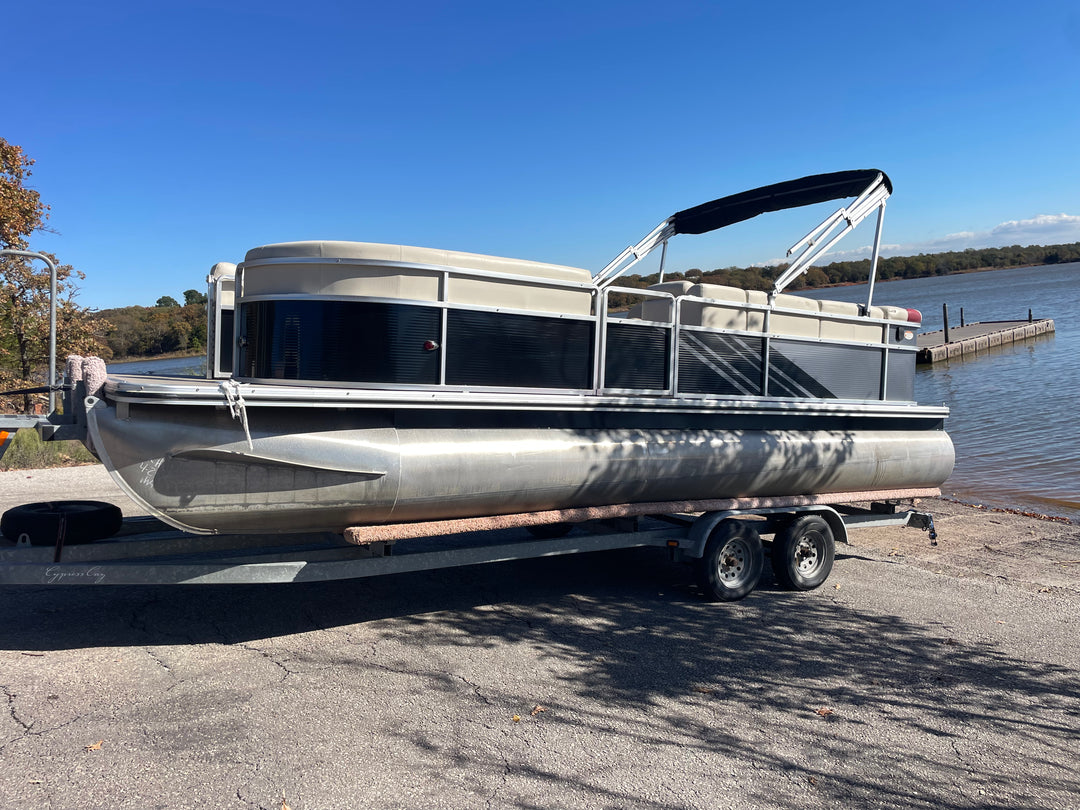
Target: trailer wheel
{"points": [[85, 521], [732, 563], [803, 553]]}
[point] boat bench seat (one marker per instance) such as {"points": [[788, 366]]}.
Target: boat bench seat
{"points": [[793, 315]]}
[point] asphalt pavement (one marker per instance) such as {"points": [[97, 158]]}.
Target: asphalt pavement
{"points": [[917, 676]]}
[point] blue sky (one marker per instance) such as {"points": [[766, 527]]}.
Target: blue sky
{"points": [[169, 136]]}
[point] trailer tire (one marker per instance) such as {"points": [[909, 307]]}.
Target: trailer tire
{"points": [[731, 565], [803, 553], [85, 521]]}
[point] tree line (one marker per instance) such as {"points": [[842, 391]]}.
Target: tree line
{"points": [[853, 272], [168, 327]]}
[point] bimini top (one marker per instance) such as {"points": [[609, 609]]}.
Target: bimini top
{"points": [[870, 187], [816, 188]]}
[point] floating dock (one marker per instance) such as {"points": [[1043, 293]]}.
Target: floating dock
{"points": [[960, 341]]}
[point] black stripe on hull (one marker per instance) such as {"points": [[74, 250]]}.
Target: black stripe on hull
{"points": [[318, 419]]}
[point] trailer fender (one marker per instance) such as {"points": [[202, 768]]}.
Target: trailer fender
{"points": [[700, 530], [835, 521], [703, 527]]}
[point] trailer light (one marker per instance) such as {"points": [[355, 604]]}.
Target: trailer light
{"points": [[430, 345], [673, 543]]}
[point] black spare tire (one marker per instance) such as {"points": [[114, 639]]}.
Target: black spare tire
{"points": [[85, 521]]}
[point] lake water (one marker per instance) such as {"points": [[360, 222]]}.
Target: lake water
{"points": [[1015, 445], [174, 366], [1011, 406]]}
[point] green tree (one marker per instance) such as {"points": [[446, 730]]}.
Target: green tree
{"points": [[24, 288], [21, 209], [149, 331], [167, 301], [194, 297]]}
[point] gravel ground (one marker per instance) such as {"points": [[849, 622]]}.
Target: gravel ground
{"points": [[917, 676]]}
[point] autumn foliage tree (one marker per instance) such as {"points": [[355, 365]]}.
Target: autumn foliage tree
{"points": [[24, 289]]}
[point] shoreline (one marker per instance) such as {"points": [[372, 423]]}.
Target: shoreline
{"points": [[1010, 510], [153, 357], [919, 278]]}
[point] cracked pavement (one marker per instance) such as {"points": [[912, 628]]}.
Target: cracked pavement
{"points": [[913, 678]]}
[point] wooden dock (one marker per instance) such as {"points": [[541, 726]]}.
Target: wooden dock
{"points": [[977, 337]]}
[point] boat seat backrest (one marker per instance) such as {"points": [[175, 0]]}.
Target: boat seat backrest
{"points": [[729, 315], [792, 315], [368, 270], [804, 322], [659, 309], [832, 329], [892, 313]]}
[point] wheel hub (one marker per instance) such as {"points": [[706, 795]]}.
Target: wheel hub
{"points": [[732, 562], [806, 556]]}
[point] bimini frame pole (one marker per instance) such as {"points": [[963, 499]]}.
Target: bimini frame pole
{"points": [[874, 256], [52, 315], [634, 254], [822, 239]]}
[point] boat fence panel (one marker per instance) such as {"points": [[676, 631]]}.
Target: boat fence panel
{"points": [[342, 341], [637, 356], [823, 370], [711, 363], [900, 377], [520, 351]]}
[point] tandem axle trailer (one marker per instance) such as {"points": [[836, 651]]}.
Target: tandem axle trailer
{"points": [[723, 544]]}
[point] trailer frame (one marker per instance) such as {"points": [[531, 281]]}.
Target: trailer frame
{"points": [[145, 552]]}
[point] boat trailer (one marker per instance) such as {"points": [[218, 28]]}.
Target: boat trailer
{"points": [[723, 543]]}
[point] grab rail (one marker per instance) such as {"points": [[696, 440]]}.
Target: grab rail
{"points": [[29, 254]]}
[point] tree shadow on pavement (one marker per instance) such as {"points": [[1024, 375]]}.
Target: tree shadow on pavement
{"points": [[815, 692]]}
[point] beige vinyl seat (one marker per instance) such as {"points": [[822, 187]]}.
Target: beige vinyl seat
{"points": [[732, 308]]}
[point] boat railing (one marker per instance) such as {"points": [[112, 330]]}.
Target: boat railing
{"points": [[602, 339], [670, 345], [220, 311], [445, 274], [753, 331]]}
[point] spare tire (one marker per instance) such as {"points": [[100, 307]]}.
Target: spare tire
{"points": [[86, 521]]}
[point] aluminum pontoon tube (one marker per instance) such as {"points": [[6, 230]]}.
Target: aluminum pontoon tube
{"points": [[193, 466]]}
